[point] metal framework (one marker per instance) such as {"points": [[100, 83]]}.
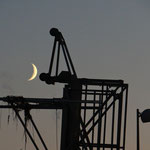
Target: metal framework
{"points": [[94, 111]]}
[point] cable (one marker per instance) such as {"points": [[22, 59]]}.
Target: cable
{"points": [[56, 131]]}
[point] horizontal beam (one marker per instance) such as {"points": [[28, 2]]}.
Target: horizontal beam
{"points": [[31, 107], [103, 82], [100, 145], [15, 99], [43, 107]]}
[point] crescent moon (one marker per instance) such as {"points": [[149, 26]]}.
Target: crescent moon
{"points": [[34, 73]]}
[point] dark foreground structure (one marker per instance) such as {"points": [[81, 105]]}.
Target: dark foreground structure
{"points": [[94, 111]]}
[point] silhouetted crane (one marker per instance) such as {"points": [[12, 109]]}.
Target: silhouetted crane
{"points": [[94, 111]]}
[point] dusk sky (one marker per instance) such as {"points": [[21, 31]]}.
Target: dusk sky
{"points": [[106, 40]]}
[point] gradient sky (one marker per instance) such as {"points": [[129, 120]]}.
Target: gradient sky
{"points": [[106, 39]]}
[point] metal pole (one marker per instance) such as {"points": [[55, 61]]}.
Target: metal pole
{"points": [[113, 125], [37, 131], [119, 123], [52, 57], [125, 117], [26, 128], [138, 131]]}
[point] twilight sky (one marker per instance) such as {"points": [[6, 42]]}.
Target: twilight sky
{"points": [[106, 40]]}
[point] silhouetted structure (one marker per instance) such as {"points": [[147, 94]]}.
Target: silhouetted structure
{"points": [[94, 111]]}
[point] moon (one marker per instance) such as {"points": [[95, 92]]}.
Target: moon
{"points": [[34, 74]]}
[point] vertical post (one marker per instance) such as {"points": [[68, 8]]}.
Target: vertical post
{"points": [[119, 119], [138, 130], [71, 117], [100, 122], [125, 117], [113, 123], [105, 118]]}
